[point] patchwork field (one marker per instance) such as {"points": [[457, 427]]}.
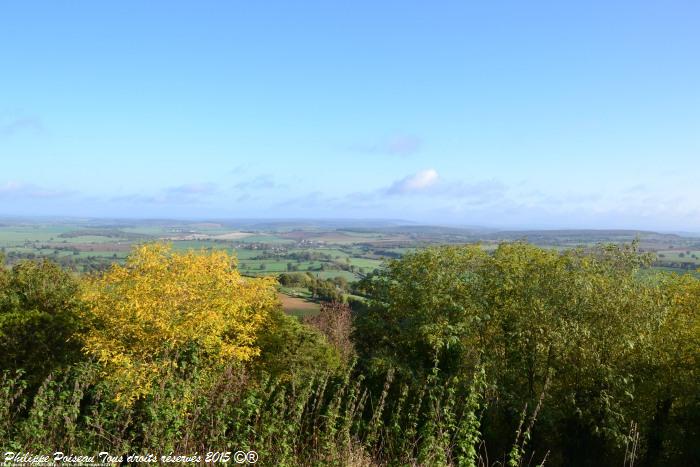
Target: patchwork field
{"points": [[323, 249]]}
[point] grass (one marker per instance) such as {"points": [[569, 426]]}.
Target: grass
{"points": [[270, 266], [201, 245], [299, 292], [331, 274], [366, 263], [266, 239], [675, 255], [21, 234]]}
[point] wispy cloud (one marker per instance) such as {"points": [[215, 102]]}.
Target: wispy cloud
{"points": [[393, 145], [479, 192], [240, 169], [190, 193], [315, 199], [12, 126], [18, 190], [261, 182], [424, 188], [193, 189]]}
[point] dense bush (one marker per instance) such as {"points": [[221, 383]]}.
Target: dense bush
{"points": [[458, 357], [39, 319], [293, 352], [606, 346], [325, 290]]}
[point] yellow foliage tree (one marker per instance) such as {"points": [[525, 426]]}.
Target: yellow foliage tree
{"points": [[144, 315]]}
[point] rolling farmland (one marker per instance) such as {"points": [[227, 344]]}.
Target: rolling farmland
{"points": [[321, 251]]}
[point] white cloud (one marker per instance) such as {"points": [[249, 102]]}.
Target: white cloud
{"points": [[415, 183]]}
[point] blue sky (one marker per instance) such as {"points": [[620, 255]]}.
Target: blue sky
{"points": [[505, 114]]}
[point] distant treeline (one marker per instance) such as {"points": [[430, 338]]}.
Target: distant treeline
{"points": [[74, 262], [109, 233], [685, 265]]}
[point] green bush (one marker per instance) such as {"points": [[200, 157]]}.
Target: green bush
{"points": [[38, 319], [605, 342]]}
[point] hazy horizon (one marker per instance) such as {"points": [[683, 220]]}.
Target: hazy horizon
{"points": [[257, 223], [558, 116]]}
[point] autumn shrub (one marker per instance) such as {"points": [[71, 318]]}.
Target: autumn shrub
{"points": [[334, 321], [162, 309]]}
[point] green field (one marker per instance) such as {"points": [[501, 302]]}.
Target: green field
{"points": [[692, 256], [272, 248]]}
